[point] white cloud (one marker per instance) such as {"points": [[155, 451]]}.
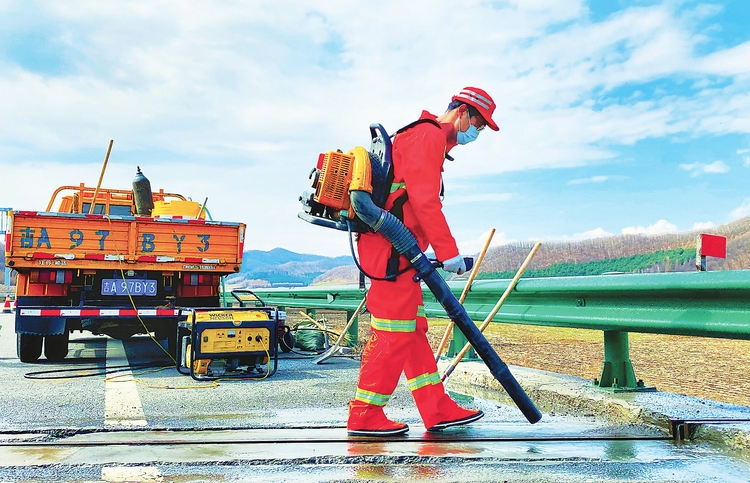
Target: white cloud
{"points": [[717, 167], [586, 235], [745, 159], [696, 169], [592, 179], [595, 233], [729, 62], [703, 225], [472, 247], [658, 228], [741, 211], [208, 76]]}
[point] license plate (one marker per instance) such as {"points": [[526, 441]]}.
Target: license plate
{"points": [[132, 287]]}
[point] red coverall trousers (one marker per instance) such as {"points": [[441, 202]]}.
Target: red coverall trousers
{"points": [[398, 343]]}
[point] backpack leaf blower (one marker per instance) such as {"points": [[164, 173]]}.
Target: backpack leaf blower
{"points": [[350, 192]]}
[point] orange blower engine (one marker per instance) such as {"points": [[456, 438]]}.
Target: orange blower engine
{"points": [[337, 173]]}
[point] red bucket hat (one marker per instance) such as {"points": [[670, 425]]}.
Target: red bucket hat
{"points": [[481, 101]]}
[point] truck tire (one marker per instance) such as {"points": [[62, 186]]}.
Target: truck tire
{"points": [[56, 347], [28, 347]]}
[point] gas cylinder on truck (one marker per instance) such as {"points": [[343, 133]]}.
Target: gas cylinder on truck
{"points": [[142, 195]]}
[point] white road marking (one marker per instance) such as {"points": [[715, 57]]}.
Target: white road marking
{"points": [[129, 474], [122, 408], [122, 404]]}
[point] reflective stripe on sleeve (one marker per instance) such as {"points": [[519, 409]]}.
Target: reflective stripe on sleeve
{"points": [[396, 186]]}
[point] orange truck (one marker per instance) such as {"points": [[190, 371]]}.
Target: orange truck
{"points": [[113, 271]]}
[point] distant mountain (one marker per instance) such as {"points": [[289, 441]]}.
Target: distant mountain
{"points": [[343, 275], [258, 259], [280, 267]]}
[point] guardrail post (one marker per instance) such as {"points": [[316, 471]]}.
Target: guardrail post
{"points": [[457, 343], [353, 332], [617, 372]]}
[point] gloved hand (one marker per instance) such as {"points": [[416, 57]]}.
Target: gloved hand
{"points": [[456, 265]]}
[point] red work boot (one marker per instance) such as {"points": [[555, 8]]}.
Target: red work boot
{"points": [[370, 420], [438, 410], [469, 416]]}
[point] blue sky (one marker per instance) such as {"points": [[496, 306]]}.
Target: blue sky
{"points": [[615, 117]]}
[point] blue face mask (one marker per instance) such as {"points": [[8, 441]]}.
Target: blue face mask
{"points": [[465, 137]]}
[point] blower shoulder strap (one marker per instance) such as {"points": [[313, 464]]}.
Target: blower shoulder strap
{"points": [[397, 210], [418, 121], [389, 177]]}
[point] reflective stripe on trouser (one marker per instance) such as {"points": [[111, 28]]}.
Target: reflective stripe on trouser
{"points": [[434, 405], [373, 398], [423, 380], [392, 325], [388, 354]]}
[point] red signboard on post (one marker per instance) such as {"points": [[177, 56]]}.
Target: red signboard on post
{"points": [[712, 246]]}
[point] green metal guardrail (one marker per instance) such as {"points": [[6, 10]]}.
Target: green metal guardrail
{"points": [[703, 304]]}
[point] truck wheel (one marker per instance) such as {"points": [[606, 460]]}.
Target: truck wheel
{"points": [[28, 347], [56, 347]]}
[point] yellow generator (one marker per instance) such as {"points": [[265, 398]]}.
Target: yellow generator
{"points": [[236, 343]]}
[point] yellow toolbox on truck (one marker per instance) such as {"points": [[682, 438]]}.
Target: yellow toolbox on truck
{"points": [[113, 272]]}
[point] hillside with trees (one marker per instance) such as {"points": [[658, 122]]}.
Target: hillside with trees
{"points": [[622, 253], [664, 248], [677, 260]]}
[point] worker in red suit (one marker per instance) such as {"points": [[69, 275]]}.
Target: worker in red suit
{"points": [[398, 341]]}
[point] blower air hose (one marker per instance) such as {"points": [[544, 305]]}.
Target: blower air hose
{"points": [[406, 244]]}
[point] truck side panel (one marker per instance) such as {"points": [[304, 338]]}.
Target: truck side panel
{"points": [[40, 239]]}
